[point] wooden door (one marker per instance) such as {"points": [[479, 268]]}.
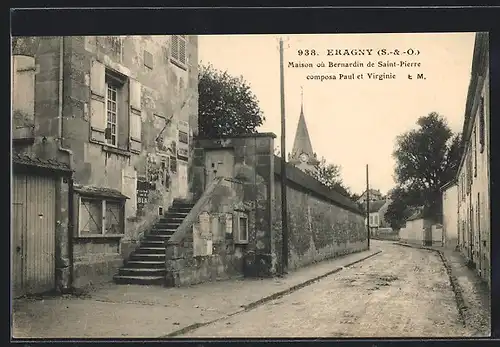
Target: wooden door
{"points": [[34, 225], [18, 234]]}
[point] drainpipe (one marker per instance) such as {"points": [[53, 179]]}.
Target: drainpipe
{"points": [[70, 155]]}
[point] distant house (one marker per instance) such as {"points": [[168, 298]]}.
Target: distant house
{"points": [[374, 195], [375, 219], [381, 212], [421, 230]]}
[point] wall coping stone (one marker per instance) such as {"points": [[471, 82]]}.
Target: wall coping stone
{"points": [[313, 186], [267, 134]]}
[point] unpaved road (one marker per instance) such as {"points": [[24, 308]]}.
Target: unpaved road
{"points": [[402, 292]]}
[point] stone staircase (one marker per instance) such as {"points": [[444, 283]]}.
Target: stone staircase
{"points": [[146, 265]]}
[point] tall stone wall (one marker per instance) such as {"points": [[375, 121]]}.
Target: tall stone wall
{"points": [[322, 224]]}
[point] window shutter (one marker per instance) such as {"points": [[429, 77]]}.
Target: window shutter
{"points": [[175, 47], [24, 86], [182, 49], [97, 101], [135, 129]]}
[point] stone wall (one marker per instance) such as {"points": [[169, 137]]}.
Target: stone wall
{"points": [[322, 223], [253, 166], [386, 234], [204, 247]]}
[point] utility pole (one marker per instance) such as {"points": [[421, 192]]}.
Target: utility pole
{"points": [[284, 212], [367, 206]]}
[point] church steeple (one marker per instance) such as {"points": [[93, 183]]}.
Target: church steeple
{"points": [[302, 141]]}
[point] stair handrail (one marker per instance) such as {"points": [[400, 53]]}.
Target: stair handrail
{"points": [[192, 217]]}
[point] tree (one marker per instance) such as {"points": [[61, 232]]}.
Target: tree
{"points": [[398, 209], [426, 158], [329, 175], [226, 105]]}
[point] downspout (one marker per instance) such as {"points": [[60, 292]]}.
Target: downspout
{"points": [[70, 156]]}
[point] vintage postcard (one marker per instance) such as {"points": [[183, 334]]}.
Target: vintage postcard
{"points": [[319, 185]]}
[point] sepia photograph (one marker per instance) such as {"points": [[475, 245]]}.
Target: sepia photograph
{"points": [[251, 185]]}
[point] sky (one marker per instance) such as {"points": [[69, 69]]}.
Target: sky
{"points": [[351, 122]]}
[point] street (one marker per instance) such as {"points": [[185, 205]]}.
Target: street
{"points": [[402, 292]]}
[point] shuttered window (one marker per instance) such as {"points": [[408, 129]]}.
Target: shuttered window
{"points": [[115, 117], [178, 51]]}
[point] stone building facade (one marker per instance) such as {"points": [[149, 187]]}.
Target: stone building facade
{"points": [[473, 176], [121, 111]]}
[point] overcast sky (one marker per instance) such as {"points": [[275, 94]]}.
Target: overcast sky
{"points": [[351, 122]]}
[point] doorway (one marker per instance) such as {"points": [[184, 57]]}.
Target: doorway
{"points": [[33, 234]]}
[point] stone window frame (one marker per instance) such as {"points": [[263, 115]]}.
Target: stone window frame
{"points": [[178, 51], [129, 131], [112, 86], [482, 124], [238, 239], [475, 151], [102, 201]]}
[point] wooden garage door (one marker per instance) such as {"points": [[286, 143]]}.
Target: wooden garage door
{"points": [[33, 231]]}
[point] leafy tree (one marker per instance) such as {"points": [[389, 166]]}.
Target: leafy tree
{"points": [[329, 175], [426, 158], [398, 209], [226, 104]]}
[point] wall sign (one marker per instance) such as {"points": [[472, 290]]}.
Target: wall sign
{"points": [[143, 188], [229, 223], [183, 141], [204, 219]]}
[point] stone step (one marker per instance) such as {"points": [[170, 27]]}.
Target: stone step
{"points": [[174, 215], [142, 264], [170, 220], [144, 280], [164, 231], [166, 226], [184, 210], [134, 271], [153, 243], [182, 204], [148, 257], [158, 236], [150, 250]]}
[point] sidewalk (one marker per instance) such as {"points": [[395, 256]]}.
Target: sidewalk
{"points": [[473, 296], [117, 311]]}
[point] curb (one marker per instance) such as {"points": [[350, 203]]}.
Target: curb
{"points": [[455, 287], [268, 298]]}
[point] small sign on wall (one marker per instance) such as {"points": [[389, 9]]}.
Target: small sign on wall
{"points": [[209, 247], [204, 219], [183, 141], [229, 224], [202, 236]]}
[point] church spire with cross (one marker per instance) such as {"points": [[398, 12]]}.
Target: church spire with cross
{"points": [[302, 154]]}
